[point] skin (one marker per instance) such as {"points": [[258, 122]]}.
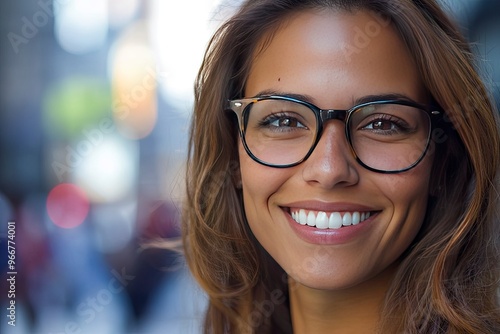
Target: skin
{"points": [[334, 286]]}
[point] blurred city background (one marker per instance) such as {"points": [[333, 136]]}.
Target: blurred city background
{"points": [[95, 100]]}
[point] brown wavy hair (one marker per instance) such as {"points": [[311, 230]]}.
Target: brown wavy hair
{"points": [[448, 279]]}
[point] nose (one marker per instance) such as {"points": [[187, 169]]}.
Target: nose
{"points": [[331, 164]]}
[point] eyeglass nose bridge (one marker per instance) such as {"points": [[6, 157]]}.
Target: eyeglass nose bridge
{"points": [[329, 114]]}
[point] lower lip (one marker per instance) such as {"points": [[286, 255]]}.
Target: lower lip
{"points": [[341, 235]]}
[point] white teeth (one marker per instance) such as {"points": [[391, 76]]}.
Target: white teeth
{"points": [[347, 219], [356, 218], [311, 219], [322, 221], [335, 220], [302, 217]]}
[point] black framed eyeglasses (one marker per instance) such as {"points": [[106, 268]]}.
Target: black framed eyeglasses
{"points": [[388, 136]]}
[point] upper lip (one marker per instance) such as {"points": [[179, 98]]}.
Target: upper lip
{"points": [[329, 206]]}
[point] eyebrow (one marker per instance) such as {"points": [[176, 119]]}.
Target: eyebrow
{"points": [[360, 100], [379, 97], [302, 97]]}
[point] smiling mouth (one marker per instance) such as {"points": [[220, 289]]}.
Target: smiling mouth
{"points": [[329, 220]]}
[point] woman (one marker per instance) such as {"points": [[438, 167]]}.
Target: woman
{"points": [[343, 163]]}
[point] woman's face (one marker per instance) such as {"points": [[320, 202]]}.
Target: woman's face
{"points": [[334, 59]]}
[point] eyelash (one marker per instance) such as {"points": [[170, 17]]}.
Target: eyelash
{"points": [[266, 122], [401, 125]]}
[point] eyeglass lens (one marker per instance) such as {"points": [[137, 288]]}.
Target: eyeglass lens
{"points": [[386, 137]]}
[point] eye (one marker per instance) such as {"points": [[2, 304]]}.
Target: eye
{"points": [[385, 124], [281, 121], [380, 125], [285, 121]]}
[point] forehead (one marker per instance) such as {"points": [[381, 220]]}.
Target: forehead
{"points": [[334, 53]]}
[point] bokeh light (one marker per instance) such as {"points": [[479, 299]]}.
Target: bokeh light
{"points": [[67, 205], [108, 171], [134, 83], [81, 26], [121, 12], [75, 104], [180, 31]]}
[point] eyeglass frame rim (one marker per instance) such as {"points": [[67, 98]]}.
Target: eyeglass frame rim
{"points": [[322, 116]]}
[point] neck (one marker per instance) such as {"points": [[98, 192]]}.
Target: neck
{"points": [[352, 310]]}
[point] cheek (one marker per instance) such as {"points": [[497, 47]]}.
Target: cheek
{"points": [[259, 184], [409, 193], [411, 187], [258, 181]]}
